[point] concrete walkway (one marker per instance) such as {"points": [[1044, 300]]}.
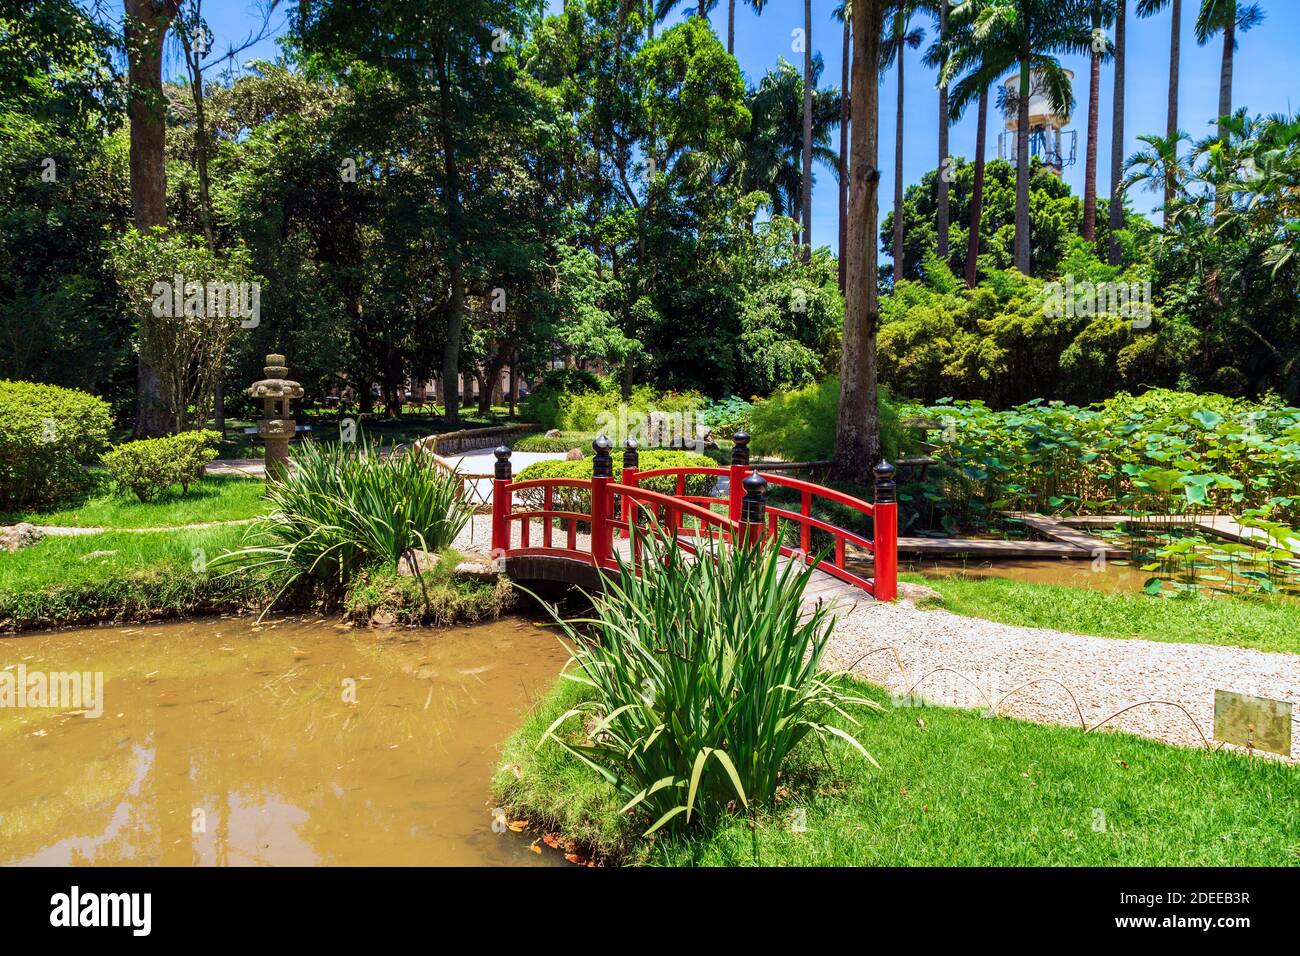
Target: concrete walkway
{"points": [[969, 662]]}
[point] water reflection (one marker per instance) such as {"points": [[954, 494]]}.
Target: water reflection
{"points": [[300, 742]]}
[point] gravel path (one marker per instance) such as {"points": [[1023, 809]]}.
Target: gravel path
{"points": [[1104, 674]]}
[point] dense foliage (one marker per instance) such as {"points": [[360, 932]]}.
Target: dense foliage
{"points": [[47, 435], [700, 692], [1160, 452], [799, 425]]}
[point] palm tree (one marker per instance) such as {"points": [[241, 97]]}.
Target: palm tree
{"points": [[937, 57], [1101, 14], [1117, 138], [731, 20], [857, 432], [1021, 36], [844, 13], [964, 53], [1149, 8], [771, 158], [808, 86], [1226, 17], [892, 48]]}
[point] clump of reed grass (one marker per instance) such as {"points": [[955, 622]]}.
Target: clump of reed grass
{"points": [[706, 673]]}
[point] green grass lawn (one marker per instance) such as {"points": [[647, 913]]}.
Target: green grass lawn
{"points": [[215, 498], [1263, 624], [136, 576], [954, 789]]}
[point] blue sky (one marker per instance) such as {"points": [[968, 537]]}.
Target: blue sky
{"points": [[1266, 79]]}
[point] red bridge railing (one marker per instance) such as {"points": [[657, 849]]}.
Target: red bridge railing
{"points": [[748, 517]]}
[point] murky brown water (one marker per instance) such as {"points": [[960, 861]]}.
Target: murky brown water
{"points": [[301, 742]]}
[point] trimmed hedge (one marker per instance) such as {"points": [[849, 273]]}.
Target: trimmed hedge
{"points": [[47, 435], [152, 465], [566, 441]]}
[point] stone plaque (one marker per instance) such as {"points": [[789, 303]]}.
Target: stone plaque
{"points": [[1253, 722]]}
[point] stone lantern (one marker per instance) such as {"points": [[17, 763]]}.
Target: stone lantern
{"points": [[276, 427]]}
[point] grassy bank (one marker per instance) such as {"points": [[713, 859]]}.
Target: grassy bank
{"points": [[1259, 623], [121, 577], [954, 789], [215, 498], [118, 577]]}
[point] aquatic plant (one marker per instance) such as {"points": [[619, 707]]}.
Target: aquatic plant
{"points": [[345, 506], [705, 674]]}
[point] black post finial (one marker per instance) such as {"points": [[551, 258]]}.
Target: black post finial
{"points": [[503, 462], [740, 450], [753, 507], [885, 487], [602, 465], [631, 459]]}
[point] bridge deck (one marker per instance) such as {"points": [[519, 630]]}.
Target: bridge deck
{"points": [[824, 589]]}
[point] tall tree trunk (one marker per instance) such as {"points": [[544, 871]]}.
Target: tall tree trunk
{"points": [[455, 265], [807, 130], [1171, 124], [1117, 140], [1225, 75], [145, 27], [857, 432], [977, 191], [844, 152], [1022, 168], [898, 170], [731, 27], [1090, 160], [943, 142]]}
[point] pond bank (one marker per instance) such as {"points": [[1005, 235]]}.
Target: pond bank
{"points": [[131, 576], [952, 789]]}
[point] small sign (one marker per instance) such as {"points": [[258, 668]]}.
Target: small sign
{"points": [[1255, 722]]}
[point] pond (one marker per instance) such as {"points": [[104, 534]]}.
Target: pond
{"points": [[299, 742]]}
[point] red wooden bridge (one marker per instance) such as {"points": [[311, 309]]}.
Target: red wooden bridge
{"points": [[540, 531]]}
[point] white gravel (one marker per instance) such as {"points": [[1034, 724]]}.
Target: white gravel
{"points": [[1104, 674]]}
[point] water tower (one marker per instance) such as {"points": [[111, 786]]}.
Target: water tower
{"points": [[1048, 139]]}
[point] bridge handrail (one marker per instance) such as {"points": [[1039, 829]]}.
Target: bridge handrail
{"points": [[748, 517], [684, 470]]}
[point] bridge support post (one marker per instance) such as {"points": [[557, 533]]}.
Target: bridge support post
{"points": [[753, 509], [885, 533], [602, 470], [739, 465], [501, 503], [631, 462]]}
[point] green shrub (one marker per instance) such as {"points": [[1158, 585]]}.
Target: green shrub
{"points": [[152, 465], [47, 435], [566, 442], [344, 507], [578, 500], [800, 425], [543, 403], [727, 416], [581, 402], [700, 691]]}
